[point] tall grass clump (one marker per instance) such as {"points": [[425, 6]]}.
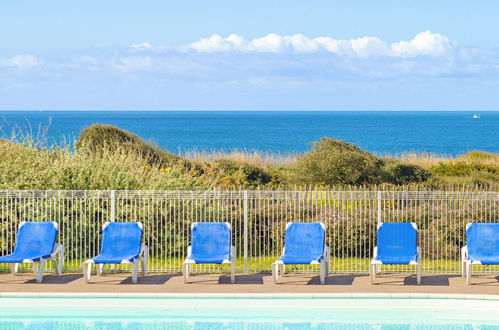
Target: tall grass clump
{"points": [[29, 167], [98, 137]]}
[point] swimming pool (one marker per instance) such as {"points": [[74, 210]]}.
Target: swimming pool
{"points": [[245, 312]]}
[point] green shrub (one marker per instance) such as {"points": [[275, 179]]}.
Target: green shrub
{"points": [[242, 174], [333, 161], [461, 168], [398, 173]]}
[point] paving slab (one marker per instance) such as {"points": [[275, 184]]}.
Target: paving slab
{"points": [[252, 283]]}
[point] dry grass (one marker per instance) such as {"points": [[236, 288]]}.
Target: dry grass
{"points": [[24, 166], [253, 158], [424, 159]]}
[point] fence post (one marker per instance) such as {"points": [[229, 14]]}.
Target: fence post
{"points": [[113, 205], [245, 242], [379, 208]]}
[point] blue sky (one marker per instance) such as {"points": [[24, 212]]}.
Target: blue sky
{"points": [[259, 55]]}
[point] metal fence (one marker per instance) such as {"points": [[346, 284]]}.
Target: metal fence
{"points": [[258, 220]]}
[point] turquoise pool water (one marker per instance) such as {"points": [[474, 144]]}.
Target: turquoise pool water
{"points": [[244, 313]]}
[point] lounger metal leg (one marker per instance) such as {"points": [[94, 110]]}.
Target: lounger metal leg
{"points": [[99, 269], [13, 268], [372, 272], [87, 268], [233, 272], [135, 271], [275, 272], [463, 270], [419, 274], [327, 259], [468, 272], [323, 272], [39, 277], [60, 263], [144, 262], [186, 272]]}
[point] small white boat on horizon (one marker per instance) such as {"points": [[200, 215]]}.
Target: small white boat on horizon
{"points": [[476, 115]]}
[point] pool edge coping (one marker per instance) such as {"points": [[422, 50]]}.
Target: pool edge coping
{"points": [[101, 295]]}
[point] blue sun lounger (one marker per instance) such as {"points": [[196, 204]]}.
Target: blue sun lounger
{"points": [[397, 244], [482, 247], [304, 244], [121, 244], [36, 244], [211, 243]]}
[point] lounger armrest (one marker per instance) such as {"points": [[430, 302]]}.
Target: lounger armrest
{"points": [[418, 250], [58, 248], [189, 252], [464, 253], [375, 252]]}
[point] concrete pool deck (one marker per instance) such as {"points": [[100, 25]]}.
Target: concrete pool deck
{"points": [[251, 283]]}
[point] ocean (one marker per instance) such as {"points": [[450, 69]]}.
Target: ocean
{"points": [[381, 132]]}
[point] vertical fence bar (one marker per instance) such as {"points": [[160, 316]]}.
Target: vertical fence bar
{"points": [[379, 208], [113, 205], [245, 219]]}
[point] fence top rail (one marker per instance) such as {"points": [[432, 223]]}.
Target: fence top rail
{"points": [[253, 194]]}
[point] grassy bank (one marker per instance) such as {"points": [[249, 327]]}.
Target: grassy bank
{"points": [[106, 157]]}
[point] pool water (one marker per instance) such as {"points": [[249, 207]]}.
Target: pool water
{"points": [[245, 313]]}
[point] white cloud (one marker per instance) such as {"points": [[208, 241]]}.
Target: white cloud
{"points": [[141, 46], [216, 43], [22, 62], [423, 44]]}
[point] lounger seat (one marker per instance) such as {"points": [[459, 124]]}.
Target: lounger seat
{"points": [[211, 243], [391, 260], [288, 260], [20, 258], [482, 247], [397, 244], [485, 261], [304, 244], [114, 259], [208, 260], [121, 244], [36, 244]]}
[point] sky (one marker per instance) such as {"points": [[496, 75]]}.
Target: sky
{"points": [[252, 55]]}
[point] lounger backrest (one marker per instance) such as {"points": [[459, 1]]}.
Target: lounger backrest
{"points": [[211, 239], [482, 240], [122, 238], [397, 239], [36, 238], [305, 240]]}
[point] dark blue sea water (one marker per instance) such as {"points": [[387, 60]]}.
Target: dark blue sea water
{"points": [[381, 132]]}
